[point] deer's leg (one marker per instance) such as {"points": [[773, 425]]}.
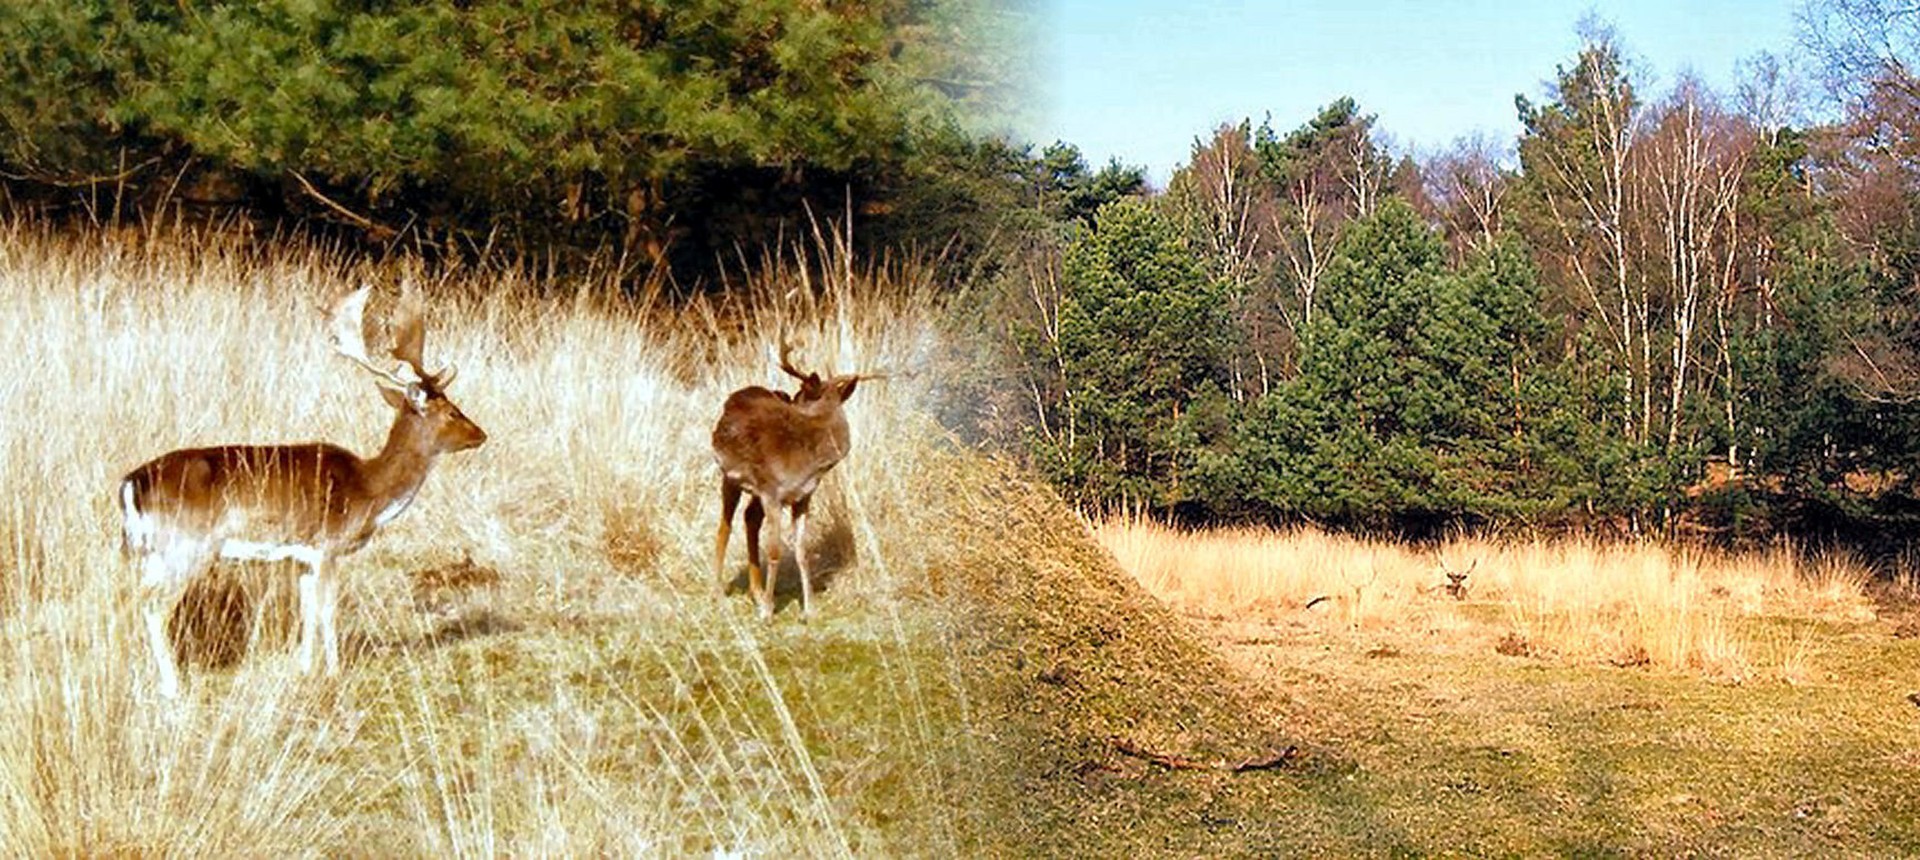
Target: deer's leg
{"points": [[309, 616], [164, 576], [775, 549], [729, 502], [799, 549], [760, 579], [329, 610]]}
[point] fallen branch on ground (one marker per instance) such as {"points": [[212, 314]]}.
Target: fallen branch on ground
{"points": [[1175, 762]]}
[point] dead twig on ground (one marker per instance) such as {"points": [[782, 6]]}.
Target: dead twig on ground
{"points": [[1174, 762]]}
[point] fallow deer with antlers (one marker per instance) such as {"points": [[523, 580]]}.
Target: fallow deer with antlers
{"points": [[1456, 586], [312, 503], [777, 446]]}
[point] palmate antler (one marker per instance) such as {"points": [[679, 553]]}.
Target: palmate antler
{"points": [[410, 335], [347, 325]]}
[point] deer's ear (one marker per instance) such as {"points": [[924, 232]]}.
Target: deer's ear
{"points": [[414, 397], [845, 385]]}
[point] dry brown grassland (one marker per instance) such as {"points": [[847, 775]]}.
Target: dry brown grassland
{"points": [[537, 663], [1691, 610]]}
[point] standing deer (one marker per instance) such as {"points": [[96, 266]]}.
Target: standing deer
{"points": [[312, 503], [777, 446]]}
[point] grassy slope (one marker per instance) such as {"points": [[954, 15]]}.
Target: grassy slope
{"points": [[1074, 655]]}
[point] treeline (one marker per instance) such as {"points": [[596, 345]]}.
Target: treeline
{"points": [[663, 132], [1651, 306], [1671, 308]]}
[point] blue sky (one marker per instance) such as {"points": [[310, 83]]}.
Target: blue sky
{"points": [[1140, 79]]}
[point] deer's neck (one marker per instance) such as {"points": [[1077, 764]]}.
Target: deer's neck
{"points": [[393, 475], [826, 410], [827, 415]]}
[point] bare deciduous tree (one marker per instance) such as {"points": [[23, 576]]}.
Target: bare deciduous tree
{"points": [[1693, 157], [1467, 186]]}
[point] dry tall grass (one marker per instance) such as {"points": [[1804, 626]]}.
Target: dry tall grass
{"points": [[1624, 603], [537, 663]]}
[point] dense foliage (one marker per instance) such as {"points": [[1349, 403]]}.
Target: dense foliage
{"points": [[1670, 309], [1142, 330], [681, 127]]}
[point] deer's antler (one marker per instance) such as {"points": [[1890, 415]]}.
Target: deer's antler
{"points": [[410, 336], [347, 326], [786, 361], [786, 364]]}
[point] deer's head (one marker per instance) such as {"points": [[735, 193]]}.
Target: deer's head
{"points": [[813, 388], [1456, 586], [420, 395]]}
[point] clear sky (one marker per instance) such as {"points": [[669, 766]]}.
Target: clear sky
{"points": [[1140, 79]]}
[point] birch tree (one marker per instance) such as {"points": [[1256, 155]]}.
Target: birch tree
{"points": [[1575, 154]]}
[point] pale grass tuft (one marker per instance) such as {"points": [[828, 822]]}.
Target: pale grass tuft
{"points": [[1627, 604]]}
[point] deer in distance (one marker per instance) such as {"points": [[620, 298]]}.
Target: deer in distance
{"points": [[776, 446], [312, 503], [1456, 586]]}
